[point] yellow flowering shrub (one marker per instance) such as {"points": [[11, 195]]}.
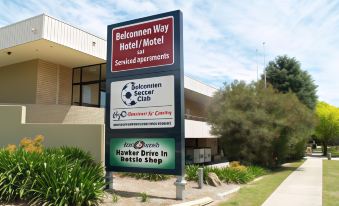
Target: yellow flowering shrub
{"points": [[32, 145], [237, 165], [11, 148], [234, 164]]}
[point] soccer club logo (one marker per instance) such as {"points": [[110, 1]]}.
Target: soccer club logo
{"points": [[127, 94]]}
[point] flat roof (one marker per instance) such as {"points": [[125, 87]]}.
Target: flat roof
{"points": [[50, 39]]}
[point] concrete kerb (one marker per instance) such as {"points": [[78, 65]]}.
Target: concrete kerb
{"points": [[224, 194], [198, 202]]}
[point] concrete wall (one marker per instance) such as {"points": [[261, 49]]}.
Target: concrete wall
{"points": [[13, 128], [63, 114], [18, 82], [54, 83], [36, 82]]}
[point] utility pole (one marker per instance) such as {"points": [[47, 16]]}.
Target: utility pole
{"points": [[263, 45]]}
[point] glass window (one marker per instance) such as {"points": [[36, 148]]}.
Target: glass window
{"points": [[76, 75], [103, 86], [89, 88], [76, 95], [103, 72], [90, 73], [90, 94]]}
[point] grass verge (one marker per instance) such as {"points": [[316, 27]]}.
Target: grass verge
{"points": [[255, 193], [330, 183]]}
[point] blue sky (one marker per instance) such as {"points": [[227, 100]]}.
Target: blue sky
{"points": [[220, 37]]}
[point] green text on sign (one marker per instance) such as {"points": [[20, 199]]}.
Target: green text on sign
{"points": [[157, 153]]}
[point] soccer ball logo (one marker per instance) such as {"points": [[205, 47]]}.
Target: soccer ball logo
{"points": [[127, 94]]}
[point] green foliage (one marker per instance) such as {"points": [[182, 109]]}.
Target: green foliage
{"points": [[147, 176], [259, 125], [285, 75], [49, 178], [191, 172], [115, 198], [237, 175], [17, 172], [144, 197], [327, 128], [73, 154]]}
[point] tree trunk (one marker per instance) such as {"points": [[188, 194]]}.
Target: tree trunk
{"points": [[325, 148]]}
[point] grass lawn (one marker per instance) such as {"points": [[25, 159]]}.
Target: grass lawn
{"points": [[255, 193], [330, 182]]}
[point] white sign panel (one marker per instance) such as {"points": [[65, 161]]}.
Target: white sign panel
{"points": [[142, 103]]}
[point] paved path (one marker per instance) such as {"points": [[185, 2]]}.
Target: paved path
{"points": [[301, 187]]}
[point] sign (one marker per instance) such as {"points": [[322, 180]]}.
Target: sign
{"points": [[143, 103], [143, 152], [142, 45], [144, 114]]}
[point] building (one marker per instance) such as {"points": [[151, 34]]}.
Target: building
{"points": [[58, 73]]}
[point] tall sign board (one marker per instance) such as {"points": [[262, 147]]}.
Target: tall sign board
{"points": [[144, 113]]}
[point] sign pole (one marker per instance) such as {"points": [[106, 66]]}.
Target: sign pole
{"points": [[109, 180], [180, 187]]}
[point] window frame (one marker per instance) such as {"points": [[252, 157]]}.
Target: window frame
{"points": [[81, 83]]}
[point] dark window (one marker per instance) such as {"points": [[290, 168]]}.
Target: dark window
{"points": [[89, 86], [76, 95], [103, 72], [91, 73], [76, 75]]}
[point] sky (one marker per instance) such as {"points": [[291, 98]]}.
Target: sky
{"points": [[223, 39]]}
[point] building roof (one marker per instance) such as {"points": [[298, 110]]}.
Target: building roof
{"points": [[47, 38], [50, 39]]}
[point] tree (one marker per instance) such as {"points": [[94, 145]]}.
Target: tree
{"points": [[285, 75], [259, 125], [327, 128]]}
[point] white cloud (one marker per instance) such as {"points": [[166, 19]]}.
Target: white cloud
{"points": [[220, 37]]}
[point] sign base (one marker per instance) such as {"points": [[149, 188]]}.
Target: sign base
{"points": [[180, 187]]}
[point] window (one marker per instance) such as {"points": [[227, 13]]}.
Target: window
{"points": [[89, 86]]}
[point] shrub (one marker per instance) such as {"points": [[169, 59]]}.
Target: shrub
{"points": [[32, 145], [115, 198], [234, 164], [234, 175], [61, 182], [147, 176], [238, 174], [73, 154], [144, 197], [258, 125], [256, 171], [49, 177], [191, 172], [17, 171]]}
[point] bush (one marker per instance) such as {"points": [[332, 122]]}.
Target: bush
{"points": [[50, 177], [258, 125], [238, 174], [17, 172], [73, 154], [147, 176], [191, 172], [144, 197]]}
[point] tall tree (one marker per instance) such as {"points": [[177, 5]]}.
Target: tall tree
{"points": [[285, 74], [259, 125], [327, 128]]}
